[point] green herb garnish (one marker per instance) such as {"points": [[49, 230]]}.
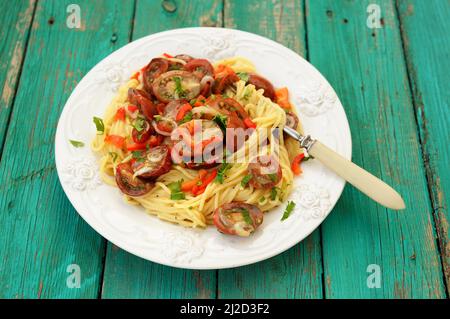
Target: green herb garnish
{"points": [[247, 217], [175, 190], [137, 155], [221, 120], [274, 193], [186, 118], [273, 177], [76, 143], [178, 87], [139, 124], [243, 76], [221, 172], [246, 179], [99, 124], [114, 156], [262, 199], [289, 208]]}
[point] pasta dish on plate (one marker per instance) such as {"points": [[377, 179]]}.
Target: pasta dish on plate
{"points": [[197, 143]]}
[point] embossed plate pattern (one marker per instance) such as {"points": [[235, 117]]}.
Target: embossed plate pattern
{"points": [[316, 191]]}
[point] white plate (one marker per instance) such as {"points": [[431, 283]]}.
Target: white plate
{"points": [[316, 191]]}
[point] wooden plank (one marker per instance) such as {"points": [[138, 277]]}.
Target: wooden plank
{"points": [[41, 233], [367, 68], [297, 272], [425, 26], [127, 276], [15, 21]]}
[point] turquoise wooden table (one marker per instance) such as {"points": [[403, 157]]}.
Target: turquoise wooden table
{"points": [[389, 62]]}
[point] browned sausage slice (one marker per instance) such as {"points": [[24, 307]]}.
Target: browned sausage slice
{"points": [[237, 218], [128, 184]]}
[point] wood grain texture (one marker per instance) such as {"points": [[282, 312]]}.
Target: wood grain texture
{"points": [[41, 233], [127, 276], [296, 273], [15, 21], [425, 29], [367, 68]]}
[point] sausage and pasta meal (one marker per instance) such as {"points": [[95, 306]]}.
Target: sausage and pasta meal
{"points": [[196, 143]]}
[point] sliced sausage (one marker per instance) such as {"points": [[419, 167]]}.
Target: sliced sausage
{"points": [[142, 135], [292, 120], [238, 218], [184, 57], [153, 163], [262, 83], [265, 171], [198, 144], [199, 67], [128, 184], [155, 68], [175, 85], [143, 101], [222, 82]]}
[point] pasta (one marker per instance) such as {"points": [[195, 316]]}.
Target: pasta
{"points": [[196, 210]]}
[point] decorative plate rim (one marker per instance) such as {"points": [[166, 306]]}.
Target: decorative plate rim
{"points": [[309, 111]]}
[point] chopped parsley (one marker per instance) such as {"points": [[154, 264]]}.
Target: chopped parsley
{"points": [[175, 190], [221, 172], [139, 124], [273, 177], [243, 76], [99, 124], [262, 199], [114, 156], [246, 94], [221, 120], [186, 118], [274, 193], [289, 208], [137, 155], [246, 179], [247, 217], [76, 143], [157, 117], [178, 87]]}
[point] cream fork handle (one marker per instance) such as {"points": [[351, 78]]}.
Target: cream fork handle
{"points": [[370, 185]]}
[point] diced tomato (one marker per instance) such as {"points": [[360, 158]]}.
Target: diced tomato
{"points": [[205, 182], [200, 100], [202, 173], [164, 126], [120, 115], [155, 140], [184, 109], [160, 108], [167, 55], [212, 139], [132, 108], [188, 185], [282, 96], [190, 126], [137, 147], [115, 140], [222, 70], [193, 184], [135, 76], [295, 166], [249, 123]]}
